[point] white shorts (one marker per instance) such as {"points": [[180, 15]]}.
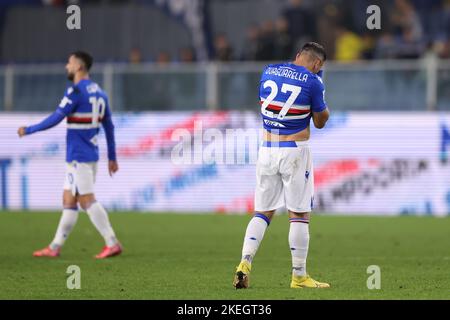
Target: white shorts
{"points": [[80, 177], [284, 177]]}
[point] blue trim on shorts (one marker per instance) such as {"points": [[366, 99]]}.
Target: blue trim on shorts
{"points": [[260, 215], [280, 144]]}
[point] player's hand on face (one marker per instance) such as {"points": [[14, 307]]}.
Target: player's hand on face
{"points": [[113, 167], [21, 131]]}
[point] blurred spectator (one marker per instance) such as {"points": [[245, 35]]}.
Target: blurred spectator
{"points": [[163, 57], [301, 21], [408, 27], [385, 46], [266, 50], [444, 42], [437, 23], [349, 46], [252, 45], [368, 46], [440, 48], [431, 17], [409, 46], [222, 47], [326, 23], [444, 53], [284, 44], [403, 17], [187, 55], [135, 56]]}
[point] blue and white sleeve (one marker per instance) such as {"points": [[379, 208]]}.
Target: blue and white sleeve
{"points": [[69, 101], [66, 106], [108, 126], [318, 103], [49, 122]]}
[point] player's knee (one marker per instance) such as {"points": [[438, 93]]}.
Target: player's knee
{"points": [[86, 201], [302, 215], [69, 204], [69, 201], [85, 205]]}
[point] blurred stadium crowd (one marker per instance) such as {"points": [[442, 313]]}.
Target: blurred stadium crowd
{"points": [[410, 29]]}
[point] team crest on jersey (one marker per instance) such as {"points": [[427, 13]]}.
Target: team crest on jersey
{"points": [[273, 123], [64, 101], [92, 88]]}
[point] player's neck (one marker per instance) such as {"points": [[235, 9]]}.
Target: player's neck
{"points": [[80, 76], [302, 64]]}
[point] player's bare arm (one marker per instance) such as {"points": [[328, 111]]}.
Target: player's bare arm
{"points": [[321, 118], [113, 167]]}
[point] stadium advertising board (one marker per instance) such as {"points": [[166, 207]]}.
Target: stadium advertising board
{"points": [[364, 163]]}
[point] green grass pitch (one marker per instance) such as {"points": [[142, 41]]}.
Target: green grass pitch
{"points": [[177, 256]]}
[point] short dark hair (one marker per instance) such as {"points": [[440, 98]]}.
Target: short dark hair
{"points": [[85, 57], [315, 48]]}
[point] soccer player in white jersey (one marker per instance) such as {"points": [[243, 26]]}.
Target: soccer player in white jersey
{"points": [[291, 94], [85, 105]]}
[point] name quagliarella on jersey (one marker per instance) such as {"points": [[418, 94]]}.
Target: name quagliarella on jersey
{"points": [[287, 73]]}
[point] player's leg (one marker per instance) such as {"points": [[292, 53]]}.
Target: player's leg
{"points": [[254, 234], [252, 239], [299, 241], [68, 218], [85, 178], [268, 197], [99, 218], [298, 179], [299, 245]]}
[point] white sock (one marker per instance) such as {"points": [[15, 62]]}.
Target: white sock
{"points": [[67, 221], [299, 243], [99, 218], [254, 235]]}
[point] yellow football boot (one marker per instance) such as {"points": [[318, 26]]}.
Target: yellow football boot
{"points": [[242, 273], [307, 282]]}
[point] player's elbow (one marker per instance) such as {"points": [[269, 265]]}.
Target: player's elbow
{"points": [[319, 125], [321, 119]]}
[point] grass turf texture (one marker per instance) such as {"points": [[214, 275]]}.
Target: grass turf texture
{"points": [[174, 256]]}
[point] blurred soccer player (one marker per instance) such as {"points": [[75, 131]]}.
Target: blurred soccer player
{"points": [[291, 94], [86, 106]]}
